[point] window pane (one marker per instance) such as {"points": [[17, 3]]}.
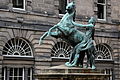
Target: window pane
{"points": [[14, 2], [28, 78], [2, 71], [10, 78], [18, 3], [15, 78], [101, 1], [15, 72], [11, 71], [62, 6], [100, 11], [2, 78], [28, 71], [20, 78], [20, 71]]}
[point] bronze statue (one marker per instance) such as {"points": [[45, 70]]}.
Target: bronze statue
{"points": [[80, 41]]}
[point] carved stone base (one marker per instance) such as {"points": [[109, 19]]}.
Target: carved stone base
{"points": [[70, 73]]}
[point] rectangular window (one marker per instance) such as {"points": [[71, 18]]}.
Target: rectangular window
{"points": [[16, 73], [101, 5], [62, 6], [18, 4]]}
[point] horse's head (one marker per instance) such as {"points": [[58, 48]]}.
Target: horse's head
{"points": [[70, 7]]}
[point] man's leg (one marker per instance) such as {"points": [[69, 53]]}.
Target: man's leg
{"points": [[81, 59], [92, 57]]}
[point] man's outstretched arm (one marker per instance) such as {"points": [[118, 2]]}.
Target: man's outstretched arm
{"points": [[81, 25]]}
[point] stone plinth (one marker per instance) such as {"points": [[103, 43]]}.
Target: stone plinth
{"points": [[70, 73]]}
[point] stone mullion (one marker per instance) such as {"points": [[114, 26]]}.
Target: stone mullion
{"points": [[25, 73], [8, 73], [0, 72]]}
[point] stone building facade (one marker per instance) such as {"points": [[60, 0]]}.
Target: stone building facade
{"points": [[22, 22]]}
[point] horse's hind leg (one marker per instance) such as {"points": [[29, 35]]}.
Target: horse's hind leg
{"points": [[77, 55], [72, 56], [76, 59]]}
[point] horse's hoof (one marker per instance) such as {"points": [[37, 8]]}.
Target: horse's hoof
{"points": [[93, 67], [81, 66], [67, 63]]}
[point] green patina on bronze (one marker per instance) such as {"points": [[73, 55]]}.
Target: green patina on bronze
{"points": [[81, 42]]}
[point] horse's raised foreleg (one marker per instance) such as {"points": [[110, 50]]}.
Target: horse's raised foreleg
{"points": [[55, 34], [42, 38]]}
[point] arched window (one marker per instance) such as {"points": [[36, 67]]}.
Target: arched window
{"points": [[17, 47], [61, 50], [103, 52]]}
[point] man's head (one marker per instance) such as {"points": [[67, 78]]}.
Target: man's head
{"points": [[92, 20]]}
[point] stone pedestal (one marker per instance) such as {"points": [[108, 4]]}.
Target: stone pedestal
{"points": [[70, 73]]}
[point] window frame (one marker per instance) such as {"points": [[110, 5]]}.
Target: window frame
{"points": [[4, 73], [24, 2], [105, 11], [31, 72]]}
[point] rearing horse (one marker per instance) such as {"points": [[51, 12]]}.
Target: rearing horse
{"points": [[67, 32]]}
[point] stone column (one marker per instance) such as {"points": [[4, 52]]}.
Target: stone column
{"points": [[10, 5], [29, 6], [56, 4], [95, 8]]}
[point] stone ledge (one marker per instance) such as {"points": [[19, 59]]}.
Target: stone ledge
{"points": [[70, 73]]}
